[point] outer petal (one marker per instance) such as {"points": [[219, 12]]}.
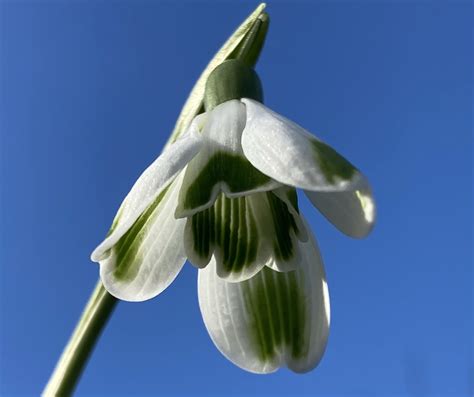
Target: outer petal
{"points": [[148, 257], [150, 185], [289, 154], [271, 320], [246, 233], [352, 212], [221, 165]]}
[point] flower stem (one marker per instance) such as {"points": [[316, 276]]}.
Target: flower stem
{"points": [[76, 353]]}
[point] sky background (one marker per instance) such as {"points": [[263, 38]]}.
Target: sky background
{"points": [[90, 91]]}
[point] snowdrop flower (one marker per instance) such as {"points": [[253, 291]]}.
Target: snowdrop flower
{"points": [[223, 196]]}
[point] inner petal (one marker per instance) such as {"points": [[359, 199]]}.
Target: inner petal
{"points": [[221, 165], [227, 229], [245, 234]]}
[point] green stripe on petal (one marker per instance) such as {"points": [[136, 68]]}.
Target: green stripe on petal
{"points": [[269, 337], [281, 228], [227, 229], [147, 258], [245, 234], [271, 320], [292, 156], [292, 198], [284, 224], [229, 172], [127, 248], [332, 164]]}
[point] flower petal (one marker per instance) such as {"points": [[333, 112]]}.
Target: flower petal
{"points": [[271, 320], [221, 165], [245, 234], [289, 154], [281, 227], [352, 212], [150, 185], [228, 230], [148, 257]]}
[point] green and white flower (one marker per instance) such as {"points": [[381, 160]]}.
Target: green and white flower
{"points": [[223, 196]]}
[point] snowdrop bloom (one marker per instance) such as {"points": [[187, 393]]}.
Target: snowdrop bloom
{"points": [[223, 196]]}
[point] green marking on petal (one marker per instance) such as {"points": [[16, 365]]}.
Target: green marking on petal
{"points": [[229, 228], [115, 222], [293, 199], [277, 314], [127, 248], [331, 163], [284, 223], [298, 346], [232, 169], [241, 231]]}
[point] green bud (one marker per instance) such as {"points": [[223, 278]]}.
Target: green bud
{"points": [[232, 79]]}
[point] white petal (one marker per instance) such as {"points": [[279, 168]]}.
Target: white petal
{"points": [[271, 320], [352, 212], [150, 255], [280, 227], [289, 154], [150, 184], [221, 165]]}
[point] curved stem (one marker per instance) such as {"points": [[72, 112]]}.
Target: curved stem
{"points": [[76, 353]]}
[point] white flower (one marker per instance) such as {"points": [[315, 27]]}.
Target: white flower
{"points": [[223, 196]]}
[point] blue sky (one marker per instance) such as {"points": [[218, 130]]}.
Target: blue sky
{"points": [[90, 90]]}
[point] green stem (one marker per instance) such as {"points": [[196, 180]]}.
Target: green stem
{"points": [[76, 353]]}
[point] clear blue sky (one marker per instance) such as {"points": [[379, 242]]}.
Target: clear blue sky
{"points": [[90, 91]]}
